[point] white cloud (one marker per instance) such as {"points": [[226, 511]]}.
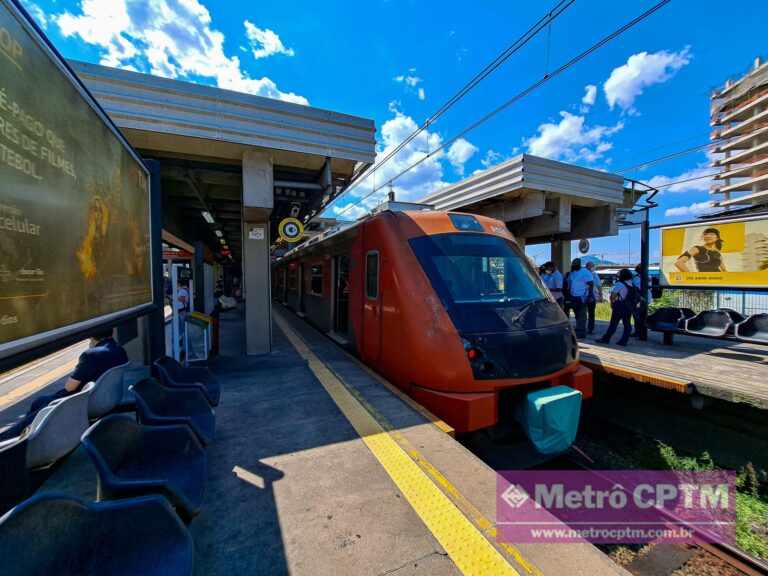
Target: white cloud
{"points": [[693, 180], [571, 139], [38, 14], [411, 83], [409, 80], [640, 71], [491, 158], [695, 209], [422, 180], [459, 153], [264, 42], [590, 92], [171, 38]]}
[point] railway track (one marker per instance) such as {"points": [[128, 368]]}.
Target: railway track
{"points": [[720, 554]]}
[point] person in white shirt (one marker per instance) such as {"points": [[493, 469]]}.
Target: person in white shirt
{"points": [[580, 287], [624, 297], [553, 280], [597, 296]]}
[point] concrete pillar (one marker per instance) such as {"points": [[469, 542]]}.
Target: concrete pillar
{"points": [[561, 255], [258, 200]]}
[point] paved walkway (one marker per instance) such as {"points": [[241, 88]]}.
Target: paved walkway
{"points": [[318, 469]]}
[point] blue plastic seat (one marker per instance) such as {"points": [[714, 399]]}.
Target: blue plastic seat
{"points": [[58, 534], [14, 478], [57, 428], [665, 319], [736, 318], [687, 313], [107, 393], [753, 329], [160, 405], [712, 323], [174, 375], [134, 459]]}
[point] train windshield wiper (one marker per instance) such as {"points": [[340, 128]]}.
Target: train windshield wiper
{"points": [[522, 311]]}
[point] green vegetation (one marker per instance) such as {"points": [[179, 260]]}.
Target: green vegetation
{"points": [[648, 454], [751, 508]]}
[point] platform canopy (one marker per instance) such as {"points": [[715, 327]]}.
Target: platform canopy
{"points": [[541, 200], [201, 134]]}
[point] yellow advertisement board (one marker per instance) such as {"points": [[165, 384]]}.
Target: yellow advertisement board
{"points": [[74, 200], [717, 254]]}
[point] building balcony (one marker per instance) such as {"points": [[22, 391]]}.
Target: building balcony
{"points": [[747, 156]]}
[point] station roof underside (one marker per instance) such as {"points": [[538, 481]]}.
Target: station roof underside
{"points": [[200, 134], [541, 199]]}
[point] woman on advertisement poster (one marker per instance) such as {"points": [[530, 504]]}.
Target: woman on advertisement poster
{"points": [[706, 257]]}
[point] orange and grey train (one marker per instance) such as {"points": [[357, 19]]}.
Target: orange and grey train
{"points": [[447, 307]]}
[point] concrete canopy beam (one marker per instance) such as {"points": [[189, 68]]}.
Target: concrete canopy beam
{"points": [[529, 206]]}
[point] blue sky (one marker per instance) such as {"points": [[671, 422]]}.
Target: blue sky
{"points": [[396, 61]]}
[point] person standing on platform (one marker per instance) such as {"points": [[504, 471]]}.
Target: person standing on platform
{"points": [[580, 287], [644, 301], [597, 296], [553, 280], [624, 298]]}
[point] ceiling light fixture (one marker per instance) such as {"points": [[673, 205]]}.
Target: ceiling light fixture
{"points": [[207, 216]]}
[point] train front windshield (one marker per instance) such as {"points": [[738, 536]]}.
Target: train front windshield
{"points": [[477, 269]]}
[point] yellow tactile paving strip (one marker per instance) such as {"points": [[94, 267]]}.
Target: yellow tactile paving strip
{"points": [[465, 544]]}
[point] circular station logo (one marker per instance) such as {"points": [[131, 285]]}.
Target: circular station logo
{"points": [[290, 229]]}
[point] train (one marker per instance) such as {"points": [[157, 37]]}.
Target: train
{"points": [[447, 307]]}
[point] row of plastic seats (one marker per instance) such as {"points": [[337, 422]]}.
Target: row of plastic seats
{"points": [[712, 323], [159, 451], [56, 431]]}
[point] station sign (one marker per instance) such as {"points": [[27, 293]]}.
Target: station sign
{"points": [[290, 229], [74, 199], [716, 254]]}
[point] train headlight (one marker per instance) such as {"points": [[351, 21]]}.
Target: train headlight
{"points": [[472, 352]]}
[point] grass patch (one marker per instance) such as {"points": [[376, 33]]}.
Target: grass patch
{"points": [[751, 508], [632, 451]]}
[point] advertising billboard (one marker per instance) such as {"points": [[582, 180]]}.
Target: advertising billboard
{"points": [[716, 254], [74, 200]]}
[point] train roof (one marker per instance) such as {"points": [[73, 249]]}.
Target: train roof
{"points": [[344, 227]]}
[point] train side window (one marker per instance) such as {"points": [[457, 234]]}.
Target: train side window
{"points": [[372, 275], [316, 280]]}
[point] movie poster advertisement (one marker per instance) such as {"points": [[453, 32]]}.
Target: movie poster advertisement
{"points": [[726, 254], [74, 201]]}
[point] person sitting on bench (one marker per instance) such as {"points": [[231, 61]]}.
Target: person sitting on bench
{"points": [[104, 353]]}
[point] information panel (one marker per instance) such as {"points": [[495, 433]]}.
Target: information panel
{"points": [[74, 200], [717, 254]]}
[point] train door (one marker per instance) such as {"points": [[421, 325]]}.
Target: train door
{"points": [[372, 306], [341, 295], [301, 288]]}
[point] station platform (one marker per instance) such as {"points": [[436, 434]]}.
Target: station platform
{"points": [[319, 468], [726, 369]]}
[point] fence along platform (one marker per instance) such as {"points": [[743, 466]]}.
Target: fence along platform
{"points": [[725, 369]]}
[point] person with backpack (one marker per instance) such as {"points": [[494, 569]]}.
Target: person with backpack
{"points": [[624, 300], [580, 287]]}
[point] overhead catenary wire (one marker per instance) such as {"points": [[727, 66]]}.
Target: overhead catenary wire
{"points": [[519, 96], [505, 54], [671, 156], [684, 180]]}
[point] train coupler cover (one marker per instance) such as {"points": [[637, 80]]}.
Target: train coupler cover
{"points": [[550, 418]]}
